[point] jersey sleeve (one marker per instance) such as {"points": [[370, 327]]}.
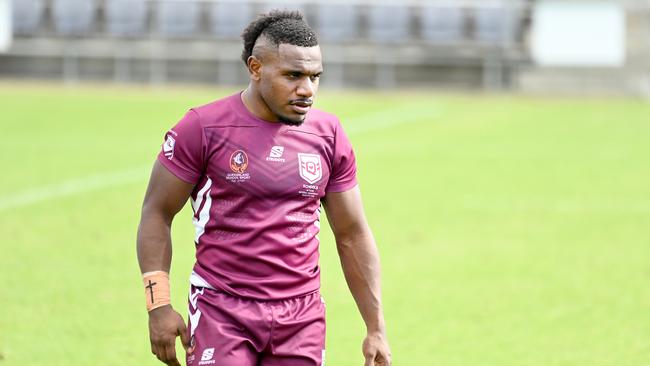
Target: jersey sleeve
{"points": [[182, 151], [344, 168]]}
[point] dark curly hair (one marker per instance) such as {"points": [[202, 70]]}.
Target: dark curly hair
{"points": [[279, 26]]}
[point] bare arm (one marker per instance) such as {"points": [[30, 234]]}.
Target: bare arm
{"points": [[166, 195], [360, 262]]}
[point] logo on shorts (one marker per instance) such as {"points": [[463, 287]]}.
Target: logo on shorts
{"points": [[238, 161], [168, 147], [310, 167], [206, 357]]}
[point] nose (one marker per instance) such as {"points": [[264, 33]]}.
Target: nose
{"points": [[306, 88]]}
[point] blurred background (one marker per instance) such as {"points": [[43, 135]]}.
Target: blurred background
{"points": [[503, 154], [545, 45]]}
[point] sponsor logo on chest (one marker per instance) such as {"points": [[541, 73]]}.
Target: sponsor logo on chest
{"points": [[276, 154]]}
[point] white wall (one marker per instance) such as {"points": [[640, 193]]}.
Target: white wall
{"points": [[578, 33], [5, 25]]}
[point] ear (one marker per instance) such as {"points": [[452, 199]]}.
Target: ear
{"points": [[254, 67]]}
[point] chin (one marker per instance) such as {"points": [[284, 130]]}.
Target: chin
{"points": [[292, 121]]}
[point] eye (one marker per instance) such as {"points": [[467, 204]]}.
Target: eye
{"points": [[293, 75], [315, 77]]}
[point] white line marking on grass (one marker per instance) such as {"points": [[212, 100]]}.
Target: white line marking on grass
{"points": [[74, 186], [381, 119]]}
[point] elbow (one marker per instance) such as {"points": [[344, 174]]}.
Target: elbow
{"points": [[152, 212], [352, 238], [344, 243]]}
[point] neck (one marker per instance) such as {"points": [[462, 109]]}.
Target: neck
{"points": [[256, 105]]}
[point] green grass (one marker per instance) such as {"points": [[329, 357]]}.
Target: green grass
{"points": [[513, 230]]}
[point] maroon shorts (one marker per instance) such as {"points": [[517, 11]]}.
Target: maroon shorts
{"points": [[232, 331]]}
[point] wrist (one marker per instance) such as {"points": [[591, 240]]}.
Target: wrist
{"points": [[377, 328], [156, 286], [159, 311], [376, 332]]}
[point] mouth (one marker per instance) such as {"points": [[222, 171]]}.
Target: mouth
{"points": [[301, 106]]}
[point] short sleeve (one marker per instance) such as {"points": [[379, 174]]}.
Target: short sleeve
{"points": [[344, 167], [182, 150]]}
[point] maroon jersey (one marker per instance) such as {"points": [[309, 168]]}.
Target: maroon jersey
{"points": [[257, 194]]}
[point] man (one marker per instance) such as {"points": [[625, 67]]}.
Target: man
{"points": [[256, 166]]}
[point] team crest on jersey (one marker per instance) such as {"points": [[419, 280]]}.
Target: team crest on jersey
{"points": [[238, 161], [310, 167]]}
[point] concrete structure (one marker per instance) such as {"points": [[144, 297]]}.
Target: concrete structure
{"points": [[631, 77], [470, 44], [446, 43]]}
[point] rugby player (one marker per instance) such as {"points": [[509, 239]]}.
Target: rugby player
{"points": [[256, 166]]}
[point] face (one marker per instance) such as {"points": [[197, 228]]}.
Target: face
{"points": [[288, 81]]}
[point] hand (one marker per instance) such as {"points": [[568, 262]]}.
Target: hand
{"points": [[165, 325], [376, 350]]}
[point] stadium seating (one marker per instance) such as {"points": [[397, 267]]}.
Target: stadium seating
{"points": [[443, 24], [27, 16], [383, 43], [126, 17], [229, 19], [388, 23], [494, 24], [73, 17], [292, 5], [337, 22], [178, 18]]}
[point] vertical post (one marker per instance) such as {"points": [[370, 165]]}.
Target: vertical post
{"points": [[6, 33], [335, 75], [227, 72], [157, 63], [70, 64], [122, 62]]}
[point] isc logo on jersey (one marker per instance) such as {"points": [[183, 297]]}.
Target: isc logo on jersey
{"points": [[238, 161], [238, 164]]}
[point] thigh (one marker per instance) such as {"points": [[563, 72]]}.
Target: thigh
{"points": [[298, 337], [218, 338]]}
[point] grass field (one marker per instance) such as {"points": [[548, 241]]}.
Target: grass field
{"points": [[513, 231]]}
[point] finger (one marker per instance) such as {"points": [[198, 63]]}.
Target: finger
{"points": [[173, 362], [161, 350], [185, 338], [384, 359], [170, 355], [158, 352], [370, 360]]}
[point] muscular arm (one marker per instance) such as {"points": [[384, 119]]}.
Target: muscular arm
{"points": [[166, 195], [360, 262]]}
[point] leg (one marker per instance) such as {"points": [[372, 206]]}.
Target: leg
{"points": [[217, 336], [298, 336]]}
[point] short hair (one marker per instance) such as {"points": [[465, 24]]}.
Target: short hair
{"points": [[279, 26]]}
